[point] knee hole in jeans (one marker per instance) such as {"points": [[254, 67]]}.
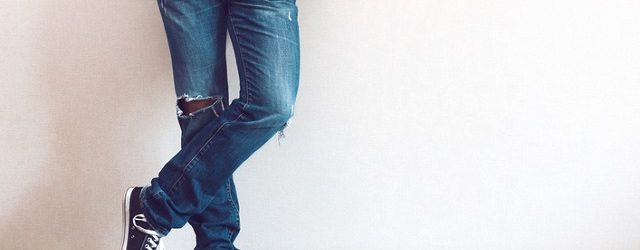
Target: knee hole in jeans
{"points": [[189, 107]]}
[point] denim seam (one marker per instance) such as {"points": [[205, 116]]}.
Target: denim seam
{"points": [[233, 204], [164, 10], [230, 199], [229, 233], [240, 54]]}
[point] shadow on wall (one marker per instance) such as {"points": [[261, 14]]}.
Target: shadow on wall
{"points": [[101, 73]]}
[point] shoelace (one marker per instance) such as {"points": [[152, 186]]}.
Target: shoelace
{"points": [[152, 244]]}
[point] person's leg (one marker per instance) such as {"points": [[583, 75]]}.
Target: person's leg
{"points": [[219, 224], [196, 32], [265, 38]]}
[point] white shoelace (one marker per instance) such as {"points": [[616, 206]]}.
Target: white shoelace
{"points": [[156, 243]]}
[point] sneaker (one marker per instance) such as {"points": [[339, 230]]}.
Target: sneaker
{"points": [[138, 233]]}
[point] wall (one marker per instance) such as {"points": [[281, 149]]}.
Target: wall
{"points": [[419, 125]]}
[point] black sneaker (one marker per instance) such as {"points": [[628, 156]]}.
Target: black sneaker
{"points": [[138, 233]]}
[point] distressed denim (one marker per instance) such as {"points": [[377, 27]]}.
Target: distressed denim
{"points": [[196, 185]]}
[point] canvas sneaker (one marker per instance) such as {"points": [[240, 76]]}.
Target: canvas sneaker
{"points": [[138, 234]]}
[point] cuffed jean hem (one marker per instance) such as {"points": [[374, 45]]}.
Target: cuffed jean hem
{"points": [[150, 219]]}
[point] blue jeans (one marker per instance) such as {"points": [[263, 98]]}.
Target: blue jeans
{"points": [[196, 185]]}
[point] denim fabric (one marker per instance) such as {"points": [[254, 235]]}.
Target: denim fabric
{"points": [[196, 185]]}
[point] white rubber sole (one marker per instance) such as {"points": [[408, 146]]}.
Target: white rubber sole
{"points": [[125, 219]]}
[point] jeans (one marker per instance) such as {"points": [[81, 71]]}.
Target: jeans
{"points": [[196, 185]]}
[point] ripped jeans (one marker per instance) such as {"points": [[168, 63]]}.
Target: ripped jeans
{"points": [[196, 185]]}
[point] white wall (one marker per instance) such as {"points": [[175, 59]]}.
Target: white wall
{"points": [[419, 125]]}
